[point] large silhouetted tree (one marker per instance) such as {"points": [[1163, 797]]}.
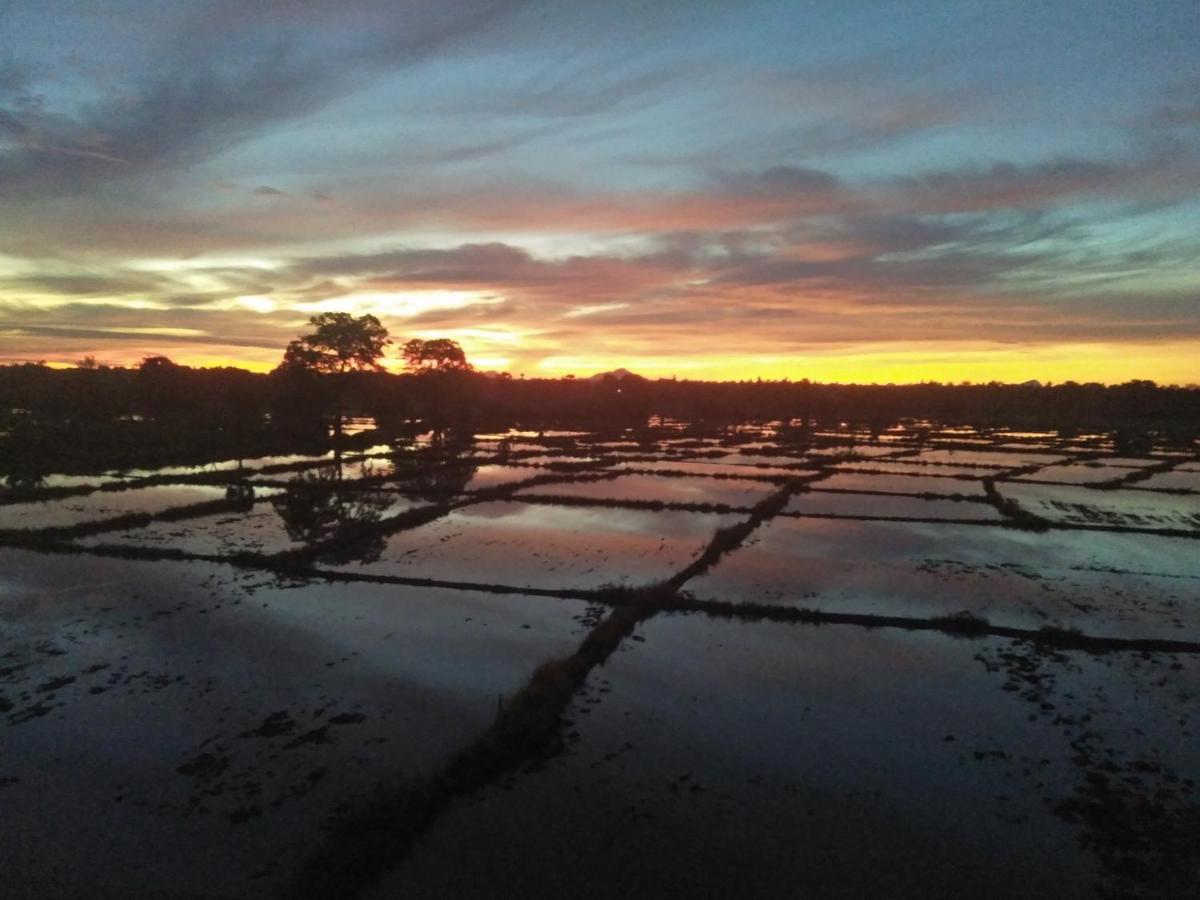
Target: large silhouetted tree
{"points": [[164, 388], [340, 344], [437, 355], [448, 382]]}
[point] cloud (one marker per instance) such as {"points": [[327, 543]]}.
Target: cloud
{"points": [[606, 187], [1004, 186], [215, 89], [82, 284]]}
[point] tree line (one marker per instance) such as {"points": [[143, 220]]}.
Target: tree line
{"points": [[159, 409]]}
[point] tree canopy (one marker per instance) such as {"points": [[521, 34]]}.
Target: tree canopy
{"points": [[437, 355], [340, 343]]}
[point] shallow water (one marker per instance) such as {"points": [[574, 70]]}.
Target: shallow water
{"points": [[995, 459], [537, 545], [211, 717], [1079, 473], [758, 459], [659, 488], [264, 528], [65, 481], [906, 467], [901, 483], [1126, 508], [1008, 576], [490, 476], [803, 761], [708, 468], [102, 505], [817, 502], [189, 724], [1180, 479]]}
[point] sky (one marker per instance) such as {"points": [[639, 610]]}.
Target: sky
{"points": [[844, 191]]}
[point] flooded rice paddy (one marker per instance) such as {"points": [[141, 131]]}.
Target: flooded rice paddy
{"points": [[932, 662]]}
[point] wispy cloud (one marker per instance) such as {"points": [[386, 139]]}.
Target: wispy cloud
{"points": [[596, 178]]}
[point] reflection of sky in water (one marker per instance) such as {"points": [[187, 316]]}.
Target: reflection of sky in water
{"points": [[250, 464], [984, 458], [756, 459], [854, 449], [1129, 508], [105, 505], [649, 487], [710, 468], [1076, 474], [901, 484], [858, 747], [550, 546], [259, 530], [1006, 575], [495, 475], [582, 521], [899, 467], [815, 501], [187, 661], [548, 458], [1178, 480], [66, 481]]}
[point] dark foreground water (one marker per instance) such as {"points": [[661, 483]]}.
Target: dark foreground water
{"points": [[996, 697]]}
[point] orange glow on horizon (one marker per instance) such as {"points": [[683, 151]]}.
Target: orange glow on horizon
{"points": [[1166, 363]]}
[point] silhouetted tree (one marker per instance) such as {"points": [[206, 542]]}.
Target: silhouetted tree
{"points": [[437, 355], [339, 345], [163, 387]]}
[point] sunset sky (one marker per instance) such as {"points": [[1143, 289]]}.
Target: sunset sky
{"points": [[852, 191]]}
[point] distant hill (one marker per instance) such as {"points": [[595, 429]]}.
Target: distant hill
{"points": [[618, 374]]}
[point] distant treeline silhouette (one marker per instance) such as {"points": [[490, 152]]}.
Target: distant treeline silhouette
{"points": [[161, 411]]}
